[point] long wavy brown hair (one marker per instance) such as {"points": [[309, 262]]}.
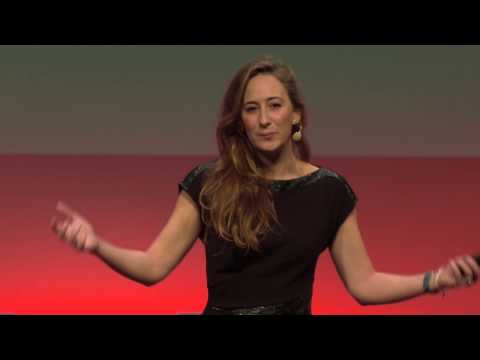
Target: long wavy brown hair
{"points": [[236, 199]]}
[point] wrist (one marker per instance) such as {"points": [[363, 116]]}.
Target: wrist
{"points": [[428, 279], [96, 250]]}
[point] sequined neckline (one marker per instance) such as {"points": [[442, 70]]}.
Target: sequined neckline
{"points": [[301, 181], [278, 185]]}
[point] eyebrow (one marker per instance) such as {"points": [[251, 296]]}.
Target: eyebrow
{"points": [[268, 99]]}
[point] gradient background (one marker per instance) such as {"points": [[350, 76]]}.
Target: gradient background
{"points": [[111, 130]]}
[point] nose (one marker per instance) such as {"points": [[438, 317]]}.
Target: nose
{"points": [[264, 119]]}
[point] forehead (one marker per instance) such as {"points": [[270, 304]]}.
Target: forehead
{"points": [[262, 87]]}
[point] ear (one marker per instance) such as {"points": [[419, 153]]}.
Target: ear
{"points": [[296, 120], [297, 117]]}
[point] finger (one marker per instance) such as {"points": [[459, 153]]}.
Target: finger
{"points": [[456, 271], [55, 223], [60, 224], [81, 238], [76, 237], [473, 265], [470, 261], [67, 210], [465, 271], [61, 229], [71, 233], [465, 268], [66, 235]]}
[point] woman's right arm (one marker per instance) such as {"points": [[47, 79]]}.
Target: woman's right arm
{"points": [[146, 267]]}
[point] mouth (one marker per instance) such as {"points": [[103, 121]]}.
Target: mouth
{"points": [[267, 136]]}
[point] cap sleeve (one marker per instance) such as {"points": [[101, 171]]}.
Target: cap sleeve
{"points": [[192, 184], [193, 181], [344, 201]]}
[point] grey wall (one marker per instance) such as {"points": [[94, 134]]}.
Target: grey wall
{"points": [[363, 100]]}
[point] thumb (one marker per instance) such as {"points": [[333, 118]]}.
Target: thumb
{"points": [[64, 208]]}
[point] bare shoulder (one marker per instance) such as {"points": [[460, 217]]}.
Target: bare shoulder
{"points": [[309, 168]]}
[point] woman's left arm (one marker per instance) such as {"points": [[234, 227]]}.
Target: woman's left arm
{"points": [[370, 287]]}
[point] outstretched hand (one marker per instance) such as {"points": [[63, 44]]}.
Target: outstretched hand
{"points": [[461, 271], [75, 230]]}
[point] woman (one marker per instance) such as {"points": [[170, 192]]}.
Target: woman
{"points": [[264, 214]]}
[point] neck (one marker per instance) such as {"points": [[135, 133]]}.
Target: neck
{"points": [[282, 165]]}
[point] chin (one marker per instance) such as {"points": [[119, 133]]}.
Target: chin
{"points": [[268, 148]]}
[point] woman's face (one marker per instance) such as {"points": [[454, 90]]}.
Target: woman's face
{"points": [[267, 113]]}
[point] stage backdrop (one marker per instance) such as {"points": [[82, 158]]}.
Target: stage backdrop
{"points": [[111, 130]]}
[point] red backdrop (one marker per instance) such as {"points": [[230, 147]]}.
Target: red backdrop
{"points": [[414, 214]]}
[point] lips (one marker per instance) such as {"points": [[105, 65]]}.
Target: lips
{"points": [[267, 134]]}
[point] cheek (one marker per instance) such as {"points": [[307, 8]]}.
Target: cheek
{"points": [[248, 122], [282, 119]]}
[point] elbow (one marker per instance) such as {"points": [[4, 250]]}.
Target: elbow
{"points": [[154, 280], [361, 290], [361, 300], [365, 299], [360, 294], [148, 283]]}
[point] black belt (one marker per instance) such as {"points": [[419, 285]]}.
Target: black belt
{"points": [[299, 306]]}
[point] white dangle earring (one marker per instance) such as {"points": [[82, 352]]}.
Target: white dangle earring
{"points": [[297, 135]]}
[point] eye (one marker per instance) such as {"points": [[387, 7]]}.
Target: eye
{"points": [[276, 105], [250, 109]]}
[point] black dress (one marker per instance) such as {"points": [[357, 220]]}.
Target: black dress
{"points": [[279, 279]]}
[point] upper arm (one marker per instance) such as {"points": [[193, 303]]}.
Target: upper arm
{"points": [[177, 236], [350, 255]]}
